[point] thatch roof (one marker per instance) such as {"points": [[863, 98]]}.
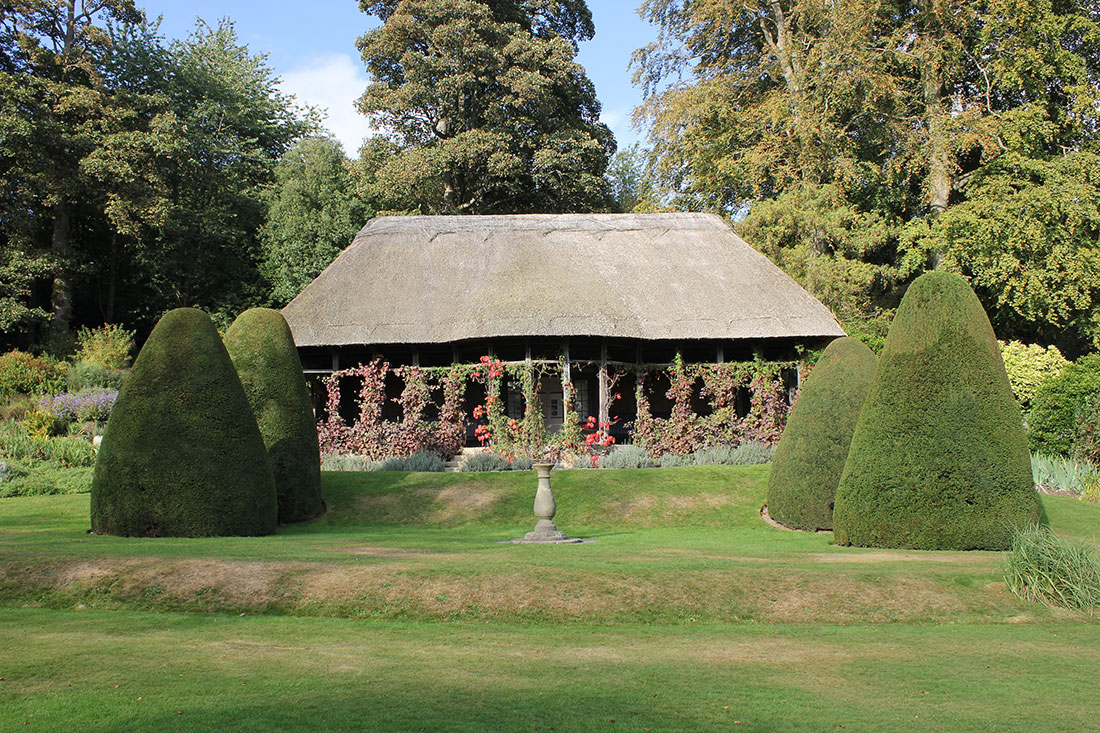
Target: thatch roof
{"points": [[438, 279]]}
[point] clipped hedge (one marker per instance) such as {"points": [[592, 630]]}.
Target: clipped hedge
{"points": [[810, 456], [939, 459], [1052, 419], [182, 456], [262, 349]]}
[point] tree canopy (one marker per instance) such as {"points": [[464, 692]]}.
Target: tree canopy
{"points": [[482, 107], [313, 212], [125, 159], [871, 141]]}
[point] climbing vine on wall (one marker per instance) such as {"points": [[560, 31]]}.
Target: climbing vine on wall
{"points": [[682, 432], [370, 436], [685, 431]]}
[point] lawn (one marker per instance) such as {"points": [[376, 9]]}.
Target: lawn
{"points": [[401, 609]]}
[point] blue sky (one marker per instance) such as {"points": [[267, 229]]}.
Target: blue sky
{"points": [[311, 46]]}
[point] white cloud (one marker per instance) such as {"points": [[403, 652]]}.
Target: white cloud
{"points": [[612, 118], [333, 83], [619, 120]]}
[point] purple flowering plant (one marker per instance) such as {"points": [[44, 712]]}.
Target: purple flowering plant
{"points": [[78, 407]]}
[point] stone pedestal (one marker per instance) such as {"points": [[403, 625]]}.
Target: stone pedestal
{"points": [[545, 530]]}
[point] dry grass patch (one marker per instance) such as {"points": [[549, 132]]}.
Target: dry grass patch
{"points": [[402, 584], [380, 551], [886, 556], [444, 506], [653, 511]]}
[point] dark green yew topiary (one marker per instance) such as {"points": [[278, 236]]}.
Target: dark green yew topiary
{"points": [[182, 456], [810, 456], [939, 460], [262, 348]]}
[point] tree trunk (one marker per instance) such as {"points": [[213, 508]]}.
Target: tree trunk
{"points": [[450, 198], [939, 146], [61, 245], [783, 45], [112, 279]]}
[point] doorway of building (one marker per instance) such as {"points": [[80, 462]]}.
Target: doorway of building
{"points": [[553, 410]]}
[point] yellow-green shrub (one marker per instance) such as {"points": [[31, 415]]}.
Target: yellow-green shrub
{"points": [[109, 346], [1029, 366]]}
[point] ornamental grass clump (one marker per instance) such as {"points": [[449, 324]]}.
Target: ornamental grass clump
{"points": [[346, 462], [674, 460], [262, 349], [626, 456], [18, 442], [1047, 569], [1062, 474], [939, 459], [182, 455], [486, 461], [421, 461], [810, 456], [424, 461], [749, 453]]}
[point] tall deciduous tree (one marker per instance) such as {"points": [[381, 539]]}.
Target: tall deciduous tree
{"points": [[631, 185], [54, 99], [237, 126], [483, 107], [182, 175], [888, 138], [125, 160], [313, 212]]}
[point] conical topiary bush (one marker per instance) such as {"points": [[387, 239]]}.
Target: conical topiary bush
{"points": [[182, 456], [939, 459], [810, 456], [262, 349]]}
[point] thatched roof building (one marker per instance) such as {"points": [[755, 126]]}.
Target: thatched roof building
{"points": [[446, 279], [594, 295]]}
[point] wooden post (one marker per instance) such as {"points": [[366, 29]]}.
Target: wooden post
{"points": [[567, 380], [335, 360], [605, 408], [721, 354]]}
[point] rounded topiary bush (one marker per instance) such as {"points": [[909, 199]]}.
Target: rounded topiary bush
{"points": [[182, 456], [810, 456], [262, 349], [939, 459], [1053, 416]]}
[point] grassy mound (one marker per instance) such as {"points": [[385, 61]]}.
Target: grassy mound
{"points": [[810, 457], [939, 459], [262, 349], [182, 456]]}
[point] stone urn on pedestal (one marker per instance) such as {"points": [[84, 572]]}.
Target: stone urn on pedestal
{"points": [[545, 530]]}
